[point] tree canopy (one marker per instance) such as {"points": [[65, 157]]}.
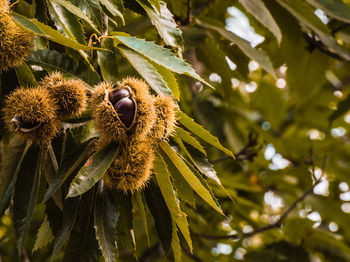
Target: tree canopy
{"points": [[257, 168]]}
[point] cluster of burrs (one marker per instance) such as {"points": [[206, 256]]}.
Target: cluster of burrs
{"points": [[35, 113], [127, 114]]}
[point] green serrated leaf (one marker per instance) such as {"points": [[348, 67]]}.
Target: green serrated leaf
{"points": [[146, 70], [186, 137], [40, 29], [303, 12], [72, 163], [115, 7], [44, 236], [13, 157], [164, 22], [175, 244], [52, 60], [105, 222], [259, 56], [188, 175], [142, 211], [25, 76], [158, 54], [108, 62], [183, 189], [25, 196], [262, 14], [169, 79], [166, 187], [92, 9], [66, 22], [155, 4], [202, 133], [82, 244], [77, 12], [70, 211], [91, 173], [126, 236], [160, 213]]}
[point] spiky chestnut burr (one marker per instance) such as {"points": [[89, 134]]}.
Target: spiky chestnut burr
{"points": [[15, 42], [132, 169], [166, 118], [69, 94], [32, 113], [123, 113]]}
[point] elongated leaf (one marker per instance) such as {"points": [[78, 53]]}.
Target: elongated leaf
{"points": [[186, 137], [76, 11], [262, 14], [202, 133], [25, 76], [169, 79], [72, 163], [155, 4], [25, 196], [259, 56], [70, 211], [160, 213], [44, 236], [12, 161], [105, 222], [66, 22], [146, 70], [52, 60], [92, 9], [164, 22], [336, 9], [50, 172], [159, 55], [115, 7], [142, 212], [40, 29], [82, 244], [305, 14], [90, 174], [191, 179], [126, 236], [166, 187], [175, 244], [108, 62], [183, 190]]}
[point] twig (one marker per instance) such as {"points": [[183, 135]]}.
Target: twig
{"points": [[246, 153], [201, 8], [337, 29], [105, 25], [151, 253], [314, 43], [279, 222], [189, 9], [190, 255]]}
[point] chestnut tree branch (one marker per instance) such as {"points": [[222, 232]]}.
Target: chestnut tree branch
{"points": [[276, 224]]}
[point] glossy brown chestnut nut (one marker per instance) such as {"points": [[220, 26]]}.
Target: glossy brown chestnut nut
{"points": [[126, 110], [118, 94]]}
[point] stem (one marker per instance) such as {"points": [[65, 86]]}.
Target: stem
{"points": [[276, 224]]}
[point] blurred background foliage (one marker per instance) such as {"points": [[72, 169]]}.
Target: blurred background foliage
{"points": [[280, 102]]}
